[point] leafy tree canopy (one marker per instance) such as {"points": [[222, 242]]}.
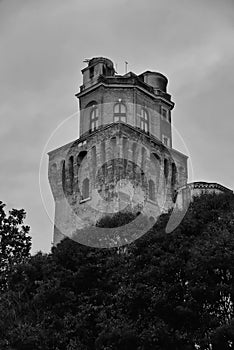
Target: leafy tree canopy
{"points": [[164, 291], [15, 243]]}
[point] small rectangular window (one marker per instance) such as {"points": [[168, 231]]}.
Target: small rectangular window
{"points": [[165, 113]]}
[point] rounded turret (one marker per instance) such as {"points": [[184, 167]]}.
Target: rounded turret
{"points": [[106, 61], [156, 80], [97, 66]]}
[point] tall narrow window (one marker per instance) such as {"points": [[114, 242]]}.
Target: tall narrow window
{"points": [[85, 189], [125, 147], [120, 113], [125, 154], [165, 113], [143, 160], [166, 168], [173, 174], [94, 160], [134, 158], [63, 176], [71, 173], [94, 118], [113, 160], [144, 120], [103, 152], [151, 190], [80, 158], [134, 153], [103, 158]]}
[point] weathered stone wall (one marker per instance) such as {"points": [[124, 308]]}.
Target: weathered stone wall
{"points": [[119, 163]]}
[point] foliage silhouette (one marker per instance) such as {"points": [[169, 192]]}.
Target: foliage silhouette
{"points": [[15, 243], [165, 291]]}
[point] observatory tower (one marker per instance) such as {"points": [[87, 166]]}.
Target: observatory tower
{"points": [[123, 159]]}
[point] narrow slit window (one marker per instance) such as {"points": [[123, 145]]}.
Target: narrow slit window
{"points": [[165, 113], [63, 175], [94, 119], [85, 189], [166, 168], [144, 120], [173, 174], [151, 190], [71, 172]]}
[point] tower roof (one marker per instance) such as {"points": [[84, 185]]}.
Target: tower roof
{"points": [[93, 61]]}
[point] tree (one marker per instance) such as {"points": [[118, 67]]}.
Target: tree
{"points": [[15, 243], [170, 291]]}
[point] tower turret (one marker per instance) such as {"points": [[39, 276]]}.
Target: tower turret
{"points": [[97, 66], [157, 80]]}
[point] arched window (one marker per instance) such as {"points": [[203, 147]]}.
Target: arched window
{"points": [[79, 161], [120, 113], [144, 120], [151, 190], [80, 158], [85, 189], [94, 118]]}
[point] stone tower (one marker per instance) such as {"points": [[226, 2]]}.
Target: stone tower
{"points": [[123, 159]]}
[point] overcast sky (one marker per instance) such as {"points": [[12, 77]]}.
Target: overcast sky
{"points": [[42, 48]]}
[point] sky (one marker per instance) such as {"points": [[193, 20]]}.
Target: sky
{"points": [[43, 45]]}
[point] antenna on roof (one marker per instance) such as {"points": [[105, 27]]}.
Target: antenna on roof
{"points": [[126, 66], [116, 68]]}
